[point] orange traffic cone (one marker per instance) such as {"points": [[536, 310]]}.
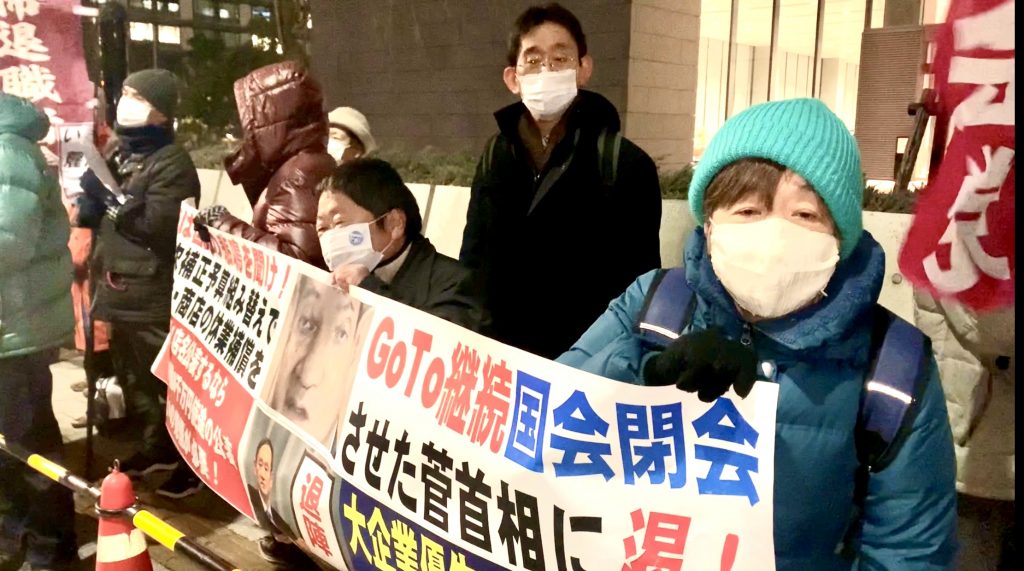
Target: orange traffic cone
{"points": [[119, 545]]}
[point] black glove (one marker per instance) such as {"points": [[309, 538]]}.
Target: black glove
{"points": [[705, 362], [96, 190], [90, 212], [210, 215]]}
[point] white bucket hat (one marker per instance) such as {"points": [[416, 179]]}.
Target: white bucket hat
{"points": [[356, 123]]}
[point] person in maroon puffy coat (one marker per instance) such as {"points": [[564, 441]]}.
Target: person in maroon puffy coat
{"points": [[281, 160]]}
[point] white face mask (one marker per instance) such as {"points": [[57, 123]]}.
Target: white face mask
{"points": [[772, 267], [350, 244], [132, 112], [336, 149], [548, 94]]}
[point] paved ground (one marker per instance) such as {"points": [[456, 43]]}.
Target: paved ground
{"points": [[203, 517]]}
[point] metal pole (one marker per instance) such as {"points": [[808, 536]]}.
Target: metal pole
{"points": [[920, 113], [775, 42], [156, 57], [90, 356], [730, 64], [819, 28], [151, 525], [113, 33]]}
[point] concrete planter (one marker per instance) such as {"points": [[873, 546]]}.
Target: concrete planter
{"points": [[444, 216]]}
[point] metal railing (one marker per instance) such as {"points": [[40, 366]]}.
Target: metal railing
{"points": [[144, 520]]}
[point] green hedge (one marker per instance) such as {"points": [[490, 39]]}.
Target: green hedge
{"points": [[901, 202], [433, 166], [676, 184]]}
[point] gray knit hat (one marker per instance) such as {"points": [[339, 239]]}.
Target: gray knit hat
{"points": [[157, 86]]}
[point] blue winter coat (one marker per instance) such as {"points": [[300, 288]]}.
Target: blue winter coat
{"points": [[35, 263], [821, 356]]}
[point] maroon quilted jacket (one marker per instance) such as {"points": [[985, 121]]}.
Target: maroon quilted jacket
{"points": [[281, 160]]}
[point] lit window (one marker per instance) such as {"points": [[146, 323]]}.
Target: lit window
{"points": [[173, 7], [262, 43], [224, 14], [140, 32], [261, 12], [205, 8], [169, 35], [147, 4]]}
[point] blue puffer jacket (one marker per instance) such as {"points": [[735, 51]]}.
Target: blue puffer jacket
{"points": [[35, 264], [821, 355]]}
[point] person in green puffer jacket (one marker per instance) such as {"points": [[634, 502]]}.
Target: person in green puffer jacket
{"points": [[36, 514]]}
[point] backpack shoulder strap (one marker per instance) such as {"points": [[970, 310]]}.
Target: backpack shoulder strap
{"points": [[488, 158], [892, 390], [608, 146], [667, 310]]}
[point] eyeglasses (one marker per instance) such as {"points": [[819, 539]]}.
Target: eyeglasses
{"points": [[558, 62]]}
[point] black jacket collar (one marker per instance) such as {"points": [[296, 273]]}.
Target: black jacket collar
{"points": [[590, 112]]}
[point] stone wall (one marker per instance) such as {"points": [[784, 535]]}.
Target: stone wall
{"points": [[889, 81], [663, 78], [428, 72]]}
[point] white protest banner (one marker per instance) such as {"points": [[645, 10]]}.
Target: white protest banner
{"points": [[381, 437]]}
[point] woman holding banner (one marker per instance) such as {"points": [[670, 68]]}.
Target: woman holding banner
{"points": [[282, 157], [781, 284]]}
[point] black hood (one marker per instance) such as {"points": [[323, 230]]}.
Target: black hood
{"points": [[590, 111]]}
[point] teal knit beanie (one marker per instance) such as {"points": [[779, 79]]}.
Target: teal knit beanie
{"points": [[804, 136], [157, 86]]}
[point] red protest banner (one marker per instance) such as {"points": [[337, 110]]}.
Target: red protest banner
{"points": [[961, 241], [42, 59], [207, 411]]}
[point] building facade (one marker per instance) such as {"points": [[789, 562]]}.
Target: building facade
{"points": [[159, 30], [428, 72]]}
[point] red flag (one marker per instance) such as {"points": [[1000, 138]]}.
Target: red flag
{"points": [[961, 242], [42, 59]]}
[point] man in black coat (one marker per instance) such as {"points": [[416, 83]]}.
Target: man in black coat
{"points": [[133, 260], [371, 236], [564, 212]]}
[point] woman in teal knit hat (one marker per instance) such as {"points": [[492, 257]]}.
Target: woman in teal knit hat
{"points": [[785, 282]]}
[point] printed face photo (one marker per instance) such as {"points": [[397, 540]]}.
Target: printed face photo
{"points": [[316, 358], [264, 468], [270, 451]]}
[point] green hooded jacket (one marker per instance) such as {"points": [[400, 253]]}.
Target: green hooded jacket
{"points": [[35, 264]]}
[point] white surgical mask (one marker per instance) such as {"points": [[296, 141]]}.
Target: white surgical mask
{"points": [[350, 244], [132, 112], [336, 149], [772, 267], [548, 94]]}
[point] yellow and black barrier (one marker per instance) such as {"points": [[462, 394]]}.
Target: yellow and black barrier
{"points": [[151, 525]]}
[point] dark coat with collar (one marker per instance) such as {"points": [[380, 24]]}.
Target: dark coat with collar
{"points": [[554, 247], [434, 283], [272, 522], [134, 255]]}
